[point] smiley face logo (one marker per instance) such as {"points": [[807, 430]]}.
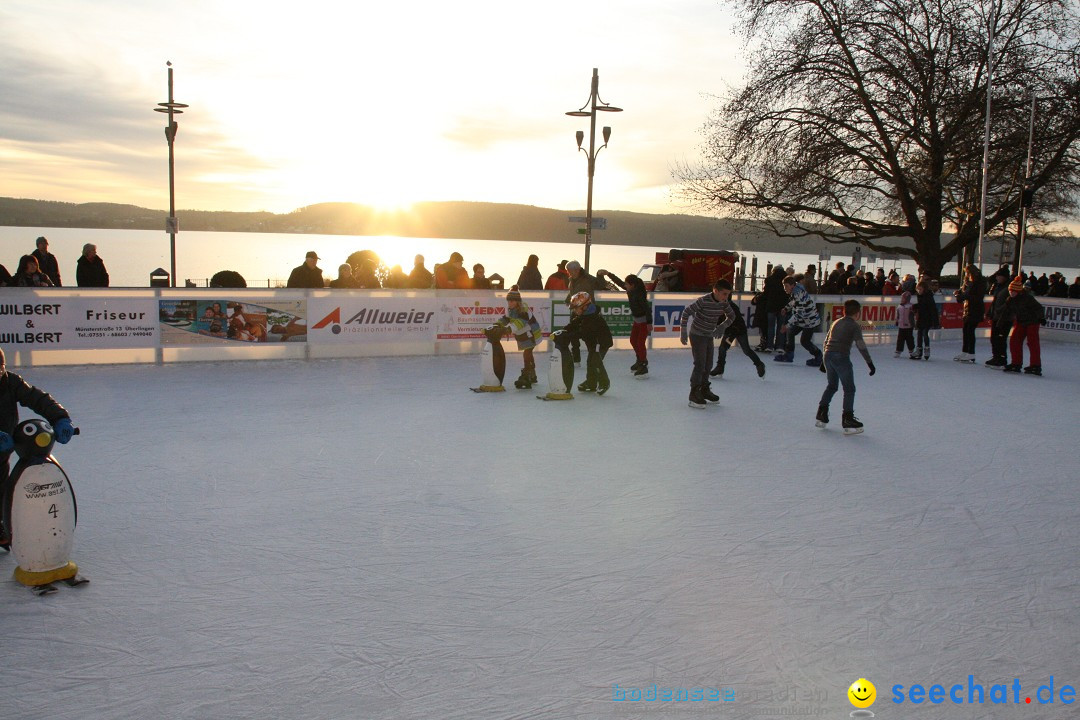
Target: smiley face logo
{"points": [[862, 693]]}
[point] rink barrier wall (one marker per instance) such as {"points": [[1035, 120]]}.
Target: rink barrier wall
{"points": [[65, 326]]}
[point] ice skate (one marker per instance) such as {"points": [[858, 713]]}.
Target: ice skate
{"points": [[526, 380], [1033, 370], [784, 357], [643, 370], [696, 400], [917, 354], [926, 354], [813, 362], [896, 354], [587, 387], [708, 394], [822, 418], [761, 370], [718, 371], [968, 358], [851, 424], [1011, 368], [635, 366], [762, 348], [997, 363]]}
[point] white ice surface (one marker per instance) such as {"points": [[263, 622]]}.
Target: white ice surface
{"points": [[368, 539]]}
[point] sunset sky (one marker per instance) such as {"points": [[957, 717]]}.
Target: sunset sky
{"points": [[377, 103]]}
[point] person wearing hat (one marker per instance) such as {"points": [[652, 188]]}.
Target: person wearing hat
{"points": [[308, 275], [15, 391], [558, 280], [1027, 314], [527, 332], [1000, 324], [580, 281], [47, 261]]}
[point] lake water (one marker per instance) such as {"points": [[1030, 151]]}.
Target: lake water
{"points": [[266, 259]]}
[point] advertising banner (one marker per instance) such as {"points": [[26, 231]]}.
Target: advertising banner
{"points": [[881, 315], [1061, 317], [344, 319], [616, 313], [60, 323], [204, 321], [464, 318]]}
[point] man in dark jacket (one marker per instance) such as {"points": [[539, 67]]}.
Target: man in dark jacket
{"points": [[15, 391], [308, 275], [580, 281], [420, 278], [775, 301], [530, 277], [47, 261], [973, 295], [999, 321], [90, 270]]}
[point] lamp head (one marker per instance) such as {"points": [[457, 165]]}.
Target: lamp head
{"points": [[607, 134], [580, 138]]}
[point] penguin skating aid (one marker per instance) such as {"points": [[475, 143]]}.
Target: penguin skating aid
{"points": [[43, 511]]}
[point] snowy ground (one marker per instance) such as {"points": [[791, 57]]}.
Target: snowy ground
{"points": [[368, 539]]}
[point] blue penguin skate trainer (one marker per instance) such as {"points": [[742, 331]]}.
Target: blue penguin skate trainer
{"points": [[43, 508]]}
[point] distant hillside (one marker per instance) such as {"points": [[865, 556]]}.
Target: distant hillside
{"points": [[471, 220]]}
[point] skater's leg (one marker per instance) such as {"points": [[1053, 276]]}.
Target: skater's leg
{"points": [[1032, 334], [602, 380], [5, 493], [702, 348], [969, 336], [847, 380], [1016, 344], [807, 341], [832, 379], [639, 333], [563, 345]]}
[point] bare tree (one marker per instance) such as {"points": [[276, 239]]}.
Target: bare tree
{"points": [[862, 121]]}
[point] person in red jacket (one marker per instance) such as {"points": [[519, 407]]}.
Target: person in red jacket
{"points": [[451, 275], [1027, 314], [558, 280]]}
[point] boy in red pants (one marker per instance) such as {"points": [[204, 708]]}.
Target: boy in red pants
{"points": [[1027, 315]]}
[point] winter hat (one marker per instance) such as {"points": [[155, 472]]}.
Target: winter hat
{"points": [[1002, 273], [1017, 285], [513, 295], [905, 298]]}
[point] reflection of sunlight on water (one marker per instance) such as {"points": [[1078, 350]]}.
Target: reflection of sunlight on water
{"points": [[131, 255]]}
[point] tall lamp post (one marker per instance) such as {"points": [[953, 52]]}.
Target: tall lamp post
{"points": [[171, 224], [593, 105]]}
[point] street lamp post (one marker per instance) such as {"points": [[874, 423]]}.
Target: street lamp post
{"points": [[171, 224], [594, 104]]}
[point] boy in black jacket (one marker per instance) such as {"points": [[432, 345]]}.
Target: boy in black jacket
{"points": [[1028, 314], [1000, 323], [15, 391], [641, 310], [736, 333]]}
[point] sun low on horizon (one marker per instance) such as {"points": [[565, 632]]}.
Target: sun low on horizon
{"points": [[383, 106]]}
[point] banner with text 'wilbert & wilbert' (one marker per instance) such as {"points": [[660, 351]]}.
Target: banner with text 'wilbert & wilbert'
{"points": [[62, 323], [342, 319]]}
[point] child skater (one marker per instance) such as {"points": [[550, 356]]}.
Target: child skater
{"points": [[736, 333], [587, 324], [526, 331], [641, 311], [15, 391], [837, 366], [702, 320], [926, 318], [1027, 314], [904, 321]]}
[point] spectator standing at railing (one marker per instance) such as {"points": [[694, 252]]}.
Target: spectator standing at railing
{"points": [[1058, 288], [345, 279], [1042, 285], [479, 280], [308, 275], [837, 279], [809, 280], [558, 280], [29, 275], [420, 278], [90, 269], [366, 277], [5, 277], [397, 279], [530, 277], [48, 265], [1074, 289], [451, 275]]}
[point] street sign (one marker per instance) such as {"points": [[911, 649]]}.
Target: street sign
{"points": [[598, 223]]}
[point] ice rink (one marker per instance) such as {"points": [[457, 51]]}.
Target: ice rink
{"points": [[368, 539]]}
